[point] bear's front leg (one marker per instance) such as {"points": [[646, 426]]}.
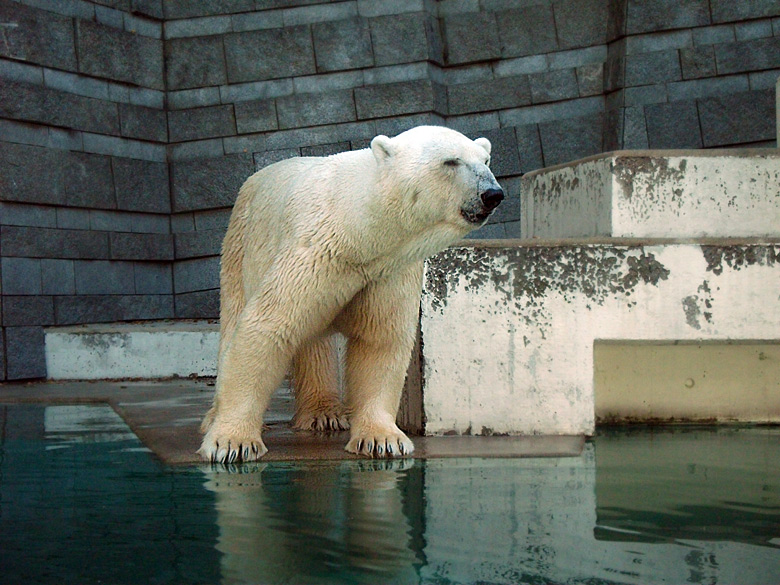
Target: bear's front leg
{"points": [[380, 324], [251, 368]]}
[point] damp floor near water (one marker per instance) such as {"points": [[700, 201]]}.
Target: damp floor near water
{"points": [[82, 501]]}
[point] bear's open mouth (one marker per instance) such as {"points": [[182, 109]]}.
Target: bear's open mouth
{"points": [[475, 217]]}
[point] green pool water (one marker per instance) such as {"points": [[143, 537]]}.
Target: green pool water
{"points": [[81, 501]]}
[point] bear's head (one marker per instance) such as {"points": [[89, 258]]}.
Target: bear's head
{"points": [[442, 177]]}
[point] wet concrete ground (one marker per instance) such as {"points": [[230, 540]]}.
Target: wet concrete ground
{"points": [[166, 415]]}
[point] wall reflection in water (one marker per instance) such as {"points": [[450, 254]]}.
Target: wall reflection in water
{"points": [[701, 506]]}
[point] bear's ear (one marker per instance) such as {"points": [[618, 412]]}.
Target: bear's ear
{"points": [[382, 147], [484, 143]]}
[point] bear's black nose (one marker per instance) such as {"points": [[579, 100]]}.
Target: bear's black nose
{"points": [[491, 198]]}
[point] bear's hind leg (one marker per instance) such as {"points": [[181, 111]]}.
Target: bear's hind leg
{"points": [[315, 381]]}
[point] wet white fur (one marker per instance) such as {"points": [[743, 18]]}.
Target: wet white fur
{"points": [[319, 245]]}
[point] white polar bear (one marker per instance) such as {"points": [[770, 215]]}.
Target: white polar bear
{"points": [[319, 245]]}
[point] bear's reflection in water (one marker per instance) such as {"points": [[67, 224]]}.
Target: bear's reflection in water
{"points": [[327, 522]]}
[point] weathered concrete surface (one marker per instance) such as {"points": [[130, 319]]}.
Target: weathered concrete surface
{"points": [[166, 415], [146, 349], [508, 328], [656, 194]]}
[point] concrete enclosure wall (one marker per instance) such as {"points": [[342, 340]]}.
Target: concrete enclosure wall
{"points": [[127, 126]]}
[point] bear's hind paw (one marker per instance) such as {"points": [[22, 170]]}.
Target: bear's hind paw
{"points": [[328, 420], [232, 451]]}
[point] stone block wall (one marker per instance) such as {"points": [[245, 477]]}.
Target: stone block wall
{"points": [[127, 126]]}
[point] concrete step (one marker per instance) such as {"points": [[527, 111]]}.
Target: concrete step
{"points": [[516, 335], [656, 194], [144, 349]]}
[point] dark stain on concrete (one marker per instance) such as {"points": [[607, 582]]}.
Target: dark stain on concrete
{"points": [[739, 257], [535, 271], [626, 169]]}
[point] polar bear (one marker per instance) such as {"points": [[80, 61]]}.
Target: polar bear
{"points": [[318, 245]]}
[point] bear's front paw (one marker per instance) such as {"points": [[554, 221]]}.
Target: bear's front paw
{"points": [[332, 417], [379, 443], [226, 449]]}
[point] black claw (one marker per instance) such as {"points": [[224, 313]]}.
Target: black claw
{"points": [[401, 448], [390, 450], [360, 446], [379, 450]]}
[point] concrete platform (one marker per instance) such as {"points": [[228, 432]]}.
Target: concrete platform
{"points": [[166, 415], [144, 349], [656, 194]]}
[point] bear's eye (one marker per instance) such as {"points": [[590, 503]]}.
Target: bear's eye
{"points": [[452, 162]]}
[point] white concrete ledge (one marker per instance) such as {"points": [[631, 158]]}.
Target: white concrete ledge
{"points": [[656, 194], [508, 331], [152, 349]]}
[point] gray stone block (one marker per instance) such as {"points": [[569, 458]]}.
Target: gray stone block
{"points": [[269, 157], [101, 277], [153, 278], [574, 58], [581, 23], [200, 123], [256, 116], [529, 148], [652, 15], [143, 123], [730, 11], [57, 277], [659, 41], [712, 86], [553, 86], [197, 274], [106, 52], [72, 219], [24, 353], [645, 94], [493, 94], [756, 29], [269, 54], [614, 124], [325, 149], [76, 83], [552, 111], [124, 147], [29, 215], [470, 37], [195, 63], [504, 156], [52, 243], [615, 73], [673, 125], [21, 101], [649, 68], [320, 135], [198, 27], [635, 128], [27, 311], [141, 185], [21, 276], [147, 223], [526, 31], [153, 8], [182, 222], [567, 140], [188, 9], [201, 149], [302, 110], [38, 36], [193, 98], [748, 55], [399, 39], [590, 79], [698, 62], [141, 246], [199, 244], [198, 305], [209, 183], [342, 44], [712, 35], [742, 118], [395, 99], [110, 221], [71, 310]]}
